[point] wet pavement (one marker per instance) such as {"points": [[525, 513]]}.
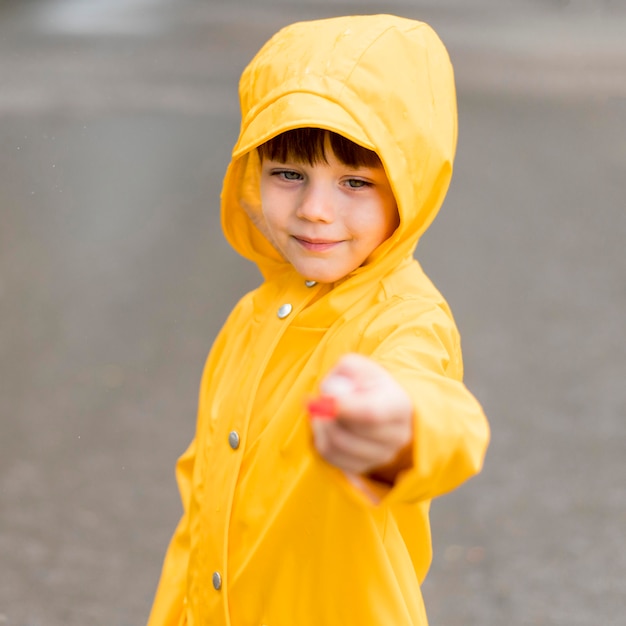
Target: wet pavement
{"points": [[116, 119]]}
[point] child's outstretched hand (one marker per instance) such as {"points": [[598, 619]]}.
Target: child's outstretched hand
{"points": [[363, 419]]}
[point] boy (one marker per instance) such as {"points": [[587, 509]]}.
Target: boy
{"points": [[344, 157]]}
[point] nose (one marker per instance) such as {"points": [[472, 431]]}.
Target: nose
{"points": [[316, 204]]}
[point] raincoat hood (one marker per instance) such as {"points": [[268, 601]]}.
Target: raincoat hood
{"points": [[384, 82]]}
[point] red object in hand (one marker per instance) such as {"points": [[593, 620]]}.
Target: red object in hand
{"points": [[324, 407]]}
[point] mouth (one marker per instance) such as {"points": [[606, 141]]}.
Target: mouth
{"points": [[316, 245]]}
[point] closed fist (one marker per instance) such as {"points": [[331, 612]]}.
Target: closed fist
{"points": [[363, 419]]}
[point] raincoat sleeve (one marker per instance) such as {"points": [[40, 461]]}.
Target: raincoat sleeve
{"points": [[451, 433], [169, 602]]}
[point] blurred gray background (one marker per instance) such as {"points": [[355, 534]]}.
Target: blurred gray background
{"points": [[116, 121]]}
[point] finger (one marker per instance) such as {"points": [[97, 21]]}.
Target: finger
{"points": [[337, 385], [359, 369], [364, 409], [347, 450], [386, 432]]}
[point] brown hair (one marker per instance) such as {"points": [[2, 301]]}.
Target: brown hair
{"points": [[307, 145]]}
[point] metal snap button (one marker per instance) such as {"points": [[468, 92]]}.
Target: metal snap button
{"points": [[284, 311], [233, 439]]}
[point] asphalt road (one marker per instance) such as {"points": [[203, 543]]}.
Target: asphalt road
{"points": [[116, 121]]}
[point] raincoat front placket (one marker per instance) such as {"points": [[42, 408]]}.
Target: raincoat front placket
{"points": [[277, 307]]}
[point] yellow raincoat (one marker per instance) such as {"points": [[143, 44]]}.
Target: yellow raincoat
{"points": [[271, 533]]}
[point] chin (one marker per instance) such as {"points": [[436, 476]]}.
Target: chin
{"points": [[322, 272], [318, 277], [322, 277]]}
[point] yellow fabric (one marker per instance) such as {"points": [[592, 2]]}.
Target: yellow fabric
{"points": [[294, 542]]}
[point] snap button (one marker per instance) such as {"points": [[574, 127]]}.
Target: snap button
{"points": [[310, 283], [233, 439], [284, 311], [217, 581]]}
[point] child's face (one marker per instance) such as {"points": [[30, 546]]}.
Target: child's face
{"points": [[326, 219]]}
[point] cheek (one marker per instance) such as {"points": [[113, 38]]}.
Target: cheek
{"points": [[276, 220], [268, 205], [275, 205], [389, 214], [378, 224]]}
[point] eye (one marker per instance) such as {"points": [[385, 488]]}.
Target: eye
{"points": [[287, 174], [357, 183]]}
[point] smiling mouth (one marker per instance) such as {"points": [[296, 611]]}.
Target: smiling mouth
{"points": [[316, 245]]}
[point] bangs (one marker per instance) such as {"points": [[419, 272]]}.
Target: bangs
{"points": [[307, 145]]}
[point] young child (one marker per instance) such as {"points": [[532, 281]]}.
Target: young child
{"points": [[332, 408]]}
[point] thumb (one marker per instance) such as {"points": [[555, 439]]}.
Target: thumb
{"points": [[359, 371], [337, 385], [348, 385]]}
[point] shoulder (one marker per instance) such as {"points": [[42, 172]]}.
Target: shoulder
{"points": [[408, 297], [411, 317], [239, 315]]}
